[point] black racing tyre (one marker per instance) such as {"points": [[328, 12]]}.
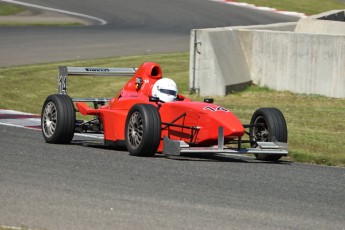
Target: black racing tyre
{"points": [[58, 119], [270, 126], [143, 130]]}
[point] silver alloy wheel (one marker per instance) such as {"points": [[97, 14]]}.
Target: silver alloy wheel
{"points": [[135, 129], [49, 119], [143, 130]]}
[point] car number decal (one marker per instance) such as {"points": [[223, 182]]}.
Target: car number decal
{"points": [[217, 109], [62, 84]]}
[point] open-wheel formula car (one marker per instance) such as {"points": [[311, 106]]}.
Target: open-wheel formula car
{"points": [[148, 116]]}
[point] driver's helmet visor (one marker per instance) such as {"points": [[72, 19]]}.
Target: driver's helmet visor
{"points": [[169, 92]]}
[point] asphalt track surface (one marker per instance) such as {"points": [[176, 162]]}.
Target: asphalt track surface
{"points": [[86, 186], [133, 27]]}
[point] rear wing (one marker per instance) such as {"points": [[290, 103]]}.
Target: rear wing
{"points": [[65, 71]]}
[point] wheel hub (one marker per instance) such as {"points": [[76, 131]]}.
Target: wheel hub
{"points": [[49, 119], [135, 129]]}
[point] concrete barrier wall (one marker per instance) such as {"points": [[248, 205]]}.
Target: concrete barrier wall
{"points": [[314, 26], [217, 60], [333, 15], [218, 63], [301, 63], [226, 59]]}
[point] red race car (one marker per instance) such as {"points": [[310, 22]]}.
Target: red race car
{"points": [[148, 116]]}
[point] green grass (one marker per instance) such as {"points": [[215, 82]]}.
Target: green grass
{"points": [[309, 7], [315, 123], [10, 9]]}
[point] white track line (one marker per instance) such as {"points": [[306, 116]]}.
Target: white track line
{"points": [[101, 21], [18, 126], [262, 8], [96, 136], [32, 123]]}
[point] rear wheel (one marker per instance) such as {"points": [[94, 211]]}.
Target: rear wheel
{"points": [[58, 119], [269, 126], [143, 130]]}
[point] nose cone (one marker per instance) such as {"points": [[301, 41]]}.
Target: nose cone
{"points": [[210, 120], [208, 117]]}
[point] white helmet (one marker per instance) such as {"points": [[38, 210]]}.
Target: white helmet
{"points": [[165, 89]]}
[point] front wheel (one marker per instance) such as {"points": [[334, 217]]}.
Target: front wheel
{"points": [[58, 119], [268, 125], [143, 130]]}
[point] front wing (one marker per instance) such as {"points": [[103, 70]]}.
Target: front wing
{"points": [[175, 147]]}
